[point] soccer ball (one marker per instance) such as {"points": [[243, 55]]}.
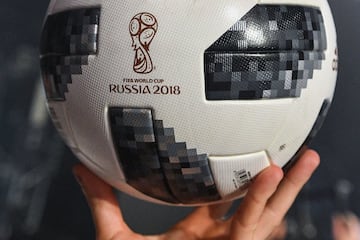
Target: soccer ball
{"points": [[184, 102]]}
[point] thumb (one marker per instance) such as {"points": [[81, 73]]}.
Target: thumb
{"points": [[103, 204]]}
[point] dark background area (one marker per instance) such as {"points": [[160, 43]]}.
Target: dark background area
{"points": [[39, 198]]}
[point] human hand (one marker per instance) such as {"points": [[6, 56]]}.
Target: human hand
{"points": [[346, 227], [268, 199]]}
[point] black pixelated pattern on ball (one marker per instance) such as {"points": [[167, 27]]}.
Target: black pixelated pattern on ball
{"points": [[319, 121], [188, 173], [58, 72], [134, 140], [270, 53], [155, 164], [68, 39], [275, 27], [73, 32], [259, 76]]}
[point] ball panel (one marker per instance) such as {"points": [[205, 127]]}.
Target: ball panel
{"points": [[73, 32], [68, 38], [189, 176], [236, 76], [134, 140], [271, 52], [155, 164], [232, 174], [58, 72], [275, 27]]}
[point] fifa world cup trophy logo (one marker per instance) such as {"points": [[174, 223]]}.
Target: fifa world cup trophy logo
{"points": [[143, 28]]}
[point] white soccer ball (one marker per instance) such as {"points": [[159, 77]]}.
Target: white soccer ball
{"points": [[183, 102]]}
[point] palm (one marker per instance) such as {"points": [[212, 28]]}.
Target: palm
{"points": [[261, 211]]}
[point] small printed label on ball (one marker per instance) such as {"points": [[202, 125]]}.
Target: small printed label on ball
{"points": [[241, 178], [144, 86]]}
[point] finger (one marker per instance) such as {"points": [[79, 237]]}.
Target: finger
{"points": [[103, 204], [353, 222], [247, 216], [287, 191], [219, 211], [196, 223], [279, 232], [204, 221], [346, 227], [339, 228]]}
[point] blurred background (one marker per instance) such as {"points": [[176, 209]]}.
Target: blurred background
{"points": [[39, 198]]}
